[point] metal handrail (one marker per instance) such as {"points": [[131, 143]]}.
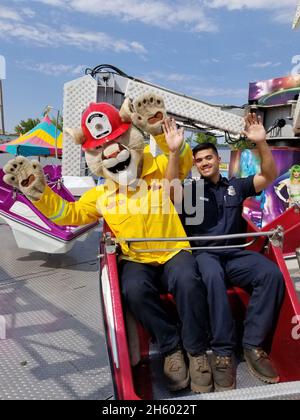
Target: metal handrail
{"points": [[276, 234], [203, 248], [198, 238]]}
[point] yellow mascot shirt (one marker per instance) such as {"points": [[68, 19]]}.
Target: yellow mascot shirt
{"points": [[146, 212]]}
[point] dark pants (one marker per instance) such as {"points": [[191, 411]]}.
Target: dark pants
{"points": [[248, 270], [141, 287]]}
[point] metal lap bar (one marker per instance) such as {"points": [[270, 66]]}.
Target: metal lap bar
{"points": [[273, 234], [198, 248]]}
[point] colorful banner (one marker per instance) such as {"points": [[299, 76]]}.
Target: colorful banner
{"points": [[281, 194], [274, 91]]}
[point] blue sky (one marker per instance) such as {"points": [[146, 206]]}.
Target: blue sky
{"points": [[210, 49]]}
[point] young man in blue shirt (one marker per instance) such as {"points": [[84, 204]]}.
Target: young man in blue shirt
{"points": [[223, 205]]}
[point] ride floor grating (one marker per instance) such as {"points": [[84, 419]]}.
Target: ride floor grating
{"points": [[54, 346]]}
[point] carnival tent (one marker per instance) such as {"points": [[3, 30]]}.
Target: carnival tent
{"points": [[40, 141]]}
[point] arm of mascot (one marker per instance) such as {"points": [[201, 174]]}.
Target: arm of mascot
{"points": [[147, 113], [28, 177]]}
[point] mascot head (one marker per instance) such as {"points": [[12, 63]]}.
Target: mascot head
{"points": [[113, 141], [113, 148]]}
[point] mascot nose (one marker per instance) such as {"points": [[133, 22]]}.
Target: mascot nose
{"points": [[111, 151]]}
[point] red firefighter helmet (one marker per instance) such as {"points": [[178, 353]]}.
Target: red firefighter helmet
{"points": [[101, 123]]}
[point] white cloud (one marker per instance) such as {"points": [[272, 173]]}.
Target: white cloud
{"points": [[52, 2], [162, 13], [27, 12], [241, 56], [176, 77], [191, 15], [9, 14], [193, 85], [282, 11], [98, 40], [44, 35], [209, 61], [253, 4], [265, 64], [51, 69]]}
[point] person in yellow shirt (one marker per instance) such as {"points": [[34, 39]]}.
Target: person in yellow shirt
{"points": [[135, 203]]}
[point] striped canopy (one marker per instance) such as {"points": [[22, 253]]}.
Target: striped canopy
{"points": [[40, 141]]}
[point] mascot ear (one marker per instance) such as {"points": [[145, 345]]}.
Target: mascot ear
{"points": [[76, 134], [126, 111]]}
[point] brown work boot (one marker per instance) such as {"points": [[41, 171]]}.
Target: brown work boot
{"points": [[260, 365], [200, 372], [224, 372], [176, 372]]}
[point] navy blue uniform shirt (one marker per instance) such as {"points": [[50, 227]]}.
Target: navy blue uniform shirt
{"points": [[223, 207]]}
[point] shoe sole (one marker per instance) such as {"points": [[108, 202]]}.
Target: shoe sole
{"points": [[201, 389], [219, 388], [262, 378], [179, 385]]}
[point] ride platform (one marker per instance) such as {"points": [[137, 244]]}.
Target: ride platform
{"points": [[50, 314]]}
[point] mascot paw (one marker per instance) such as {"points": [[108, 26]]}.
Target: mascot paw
{"points": [[27, 176], [149, 113]]}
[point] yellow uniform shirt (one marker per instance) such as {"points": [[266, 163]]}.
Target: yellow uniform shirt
{"points": [[143, 213]]}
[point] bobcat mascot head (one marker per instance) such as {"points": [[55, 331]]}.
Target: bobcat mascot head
{"points": [[114, 141]]}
